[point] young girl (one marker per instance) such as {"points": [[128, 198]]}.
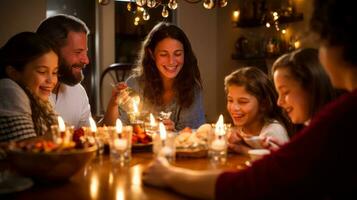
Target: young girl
{"points": [[251, 103], [28, 73], [302, 84], [167, 79]]}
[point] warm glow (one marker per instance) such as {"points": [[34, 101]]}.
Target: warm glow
{"points": [[136, 178], [267, 24], [111, 178], [219, 130], [162, 131], [283, 31], [152, 120], [94, 186], [235, 16], [93, 126], [61, 125], [135, 106], [297, 44], [119, 126], [119, 193]]}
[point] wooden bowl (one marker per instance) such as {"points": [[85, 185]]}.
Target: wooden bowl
{"points": [[50, 166]]}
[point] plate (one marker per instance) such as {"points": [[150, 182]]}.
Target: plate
{"points": [[10, 183], [188, 153], [139, 147]]}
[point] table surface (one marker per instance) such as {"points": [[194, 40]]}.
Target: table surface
{"points": [[102, 179]]}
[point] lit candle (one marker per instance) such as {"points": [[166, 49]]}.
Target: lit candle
{"points": [[61, 130], [219, 142], [93, 126], [152, 121], [119, 143], [165, 150]]}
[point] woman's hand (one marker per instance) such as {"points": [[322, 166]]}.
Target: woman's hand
{"points": [[114, 100], [169, 124], [156, 173]]}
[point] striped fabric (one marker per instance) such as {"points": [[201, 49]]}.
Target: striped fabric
{"points": [[16, 127]]}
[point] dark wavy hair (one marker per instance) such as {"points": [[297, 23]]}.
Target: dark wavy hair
{"points": [[19, 50], [304, 67], [187, 80], [258, 84], [334, 22]]}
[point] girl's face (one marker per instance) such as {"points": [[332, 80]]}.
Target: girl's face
{"points": [[40, 75], [242, 106], [169, 57], [292, 96]]}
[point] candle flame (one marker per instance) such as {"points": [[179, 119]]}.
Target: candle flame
{"points": [[152, 120], [61, 125], [93, 127], [220, 126], [162, 131], [119, 126]]}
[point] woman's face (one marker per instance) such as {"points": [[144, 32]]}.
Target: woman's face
{"points": [[40, 75], [169, 57], [242, 106], [292, 96]]}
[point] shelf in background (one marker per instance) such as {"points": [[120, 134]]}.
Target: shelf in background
{"points": [[249, 23]]}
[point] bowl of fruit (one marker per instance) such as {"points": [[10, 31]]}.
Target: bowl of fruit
{"points": [[141, 140], [46, 160]]}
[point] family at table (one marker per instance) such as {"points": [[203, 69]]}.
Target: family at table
{"points": [[297, 111]]}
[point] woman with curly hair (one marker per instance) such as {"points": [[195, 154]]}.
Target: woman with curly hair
{"points": [[167, 78]]}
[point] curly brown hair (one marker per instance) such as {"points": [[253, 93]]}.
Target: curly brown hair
{"points": [[185, 82]]}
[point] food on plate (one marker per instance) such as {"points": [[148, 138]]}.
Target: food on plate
{"points": [[140, 136], [192, 143]]}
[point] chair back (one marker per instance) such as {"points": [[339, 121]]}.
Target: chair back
{"points": [[118, 72]]}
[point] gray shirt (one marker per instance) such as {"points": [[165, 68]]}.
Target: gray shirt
{"points": [[15, 112], [192, 117]]}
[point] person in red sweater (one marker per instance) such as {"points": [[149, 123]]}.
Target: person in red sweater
{"points": [[319, 162]]}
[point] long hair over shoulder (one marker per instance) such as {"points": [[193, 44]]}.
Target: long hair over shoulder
{"points": [[188, 79]]}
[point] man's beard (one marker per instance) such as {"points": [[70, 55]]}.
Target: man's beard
{"points": [[66, 76]]}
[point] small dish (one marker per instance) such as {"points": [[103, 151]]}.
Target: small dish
{"points": [[256, 154], [140, 147]]}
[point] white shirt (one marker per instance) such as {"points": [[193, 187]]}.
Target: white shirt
{"points": [[72, 104]]}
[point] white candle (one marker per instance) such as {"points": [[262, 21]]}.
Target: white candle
{"points": [[120, 144], [93, 126], [218, 145]]}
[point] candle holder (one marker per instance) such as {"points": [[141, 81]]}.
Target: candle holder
{"points": [[164, 148], [120, 145], [62, 137], [218, 144]]}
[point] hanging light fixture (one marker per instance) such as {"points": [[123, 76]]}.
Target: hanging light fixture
{"points": [[141, 7], [134, 5]]}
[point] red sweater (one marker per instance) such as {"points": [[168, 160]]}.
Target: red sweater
{"points": [[320, 162]]}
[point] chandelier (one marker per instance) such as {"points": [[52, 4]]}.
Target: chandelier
{"points": [[143, 6]]}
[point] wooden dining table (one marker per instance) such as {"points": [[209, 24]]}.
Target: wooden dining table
{"points": [[103, 179]]}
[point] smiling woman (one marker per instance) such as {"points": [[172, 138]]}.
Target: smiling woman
{"points": [[167, 78], [28, 74]]}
